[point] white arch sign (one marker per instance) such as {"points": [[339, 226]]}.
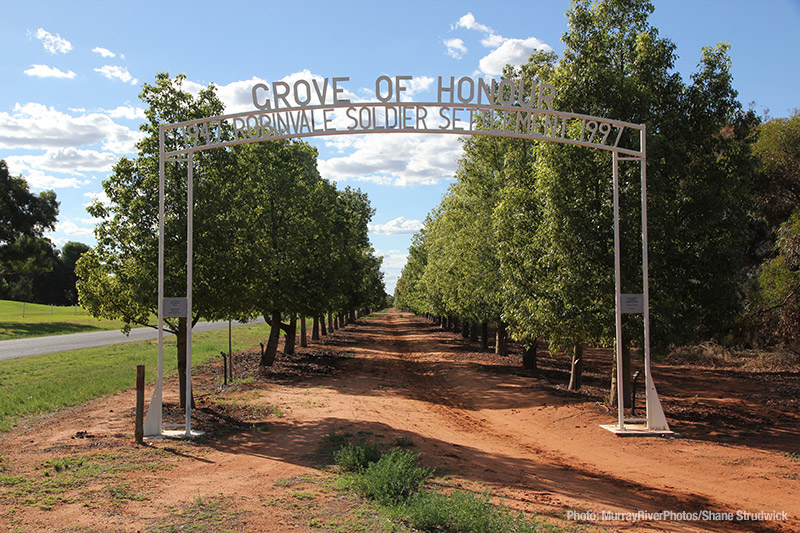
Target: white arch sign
{"points": [[464, 106]]}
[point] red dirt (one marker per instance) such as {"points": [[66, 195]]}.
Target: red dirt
{"points": [[482, 419]]}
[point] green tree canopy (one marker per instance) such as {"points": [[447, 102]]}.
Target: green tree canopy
{"points": [[24, 217], [119, 278]]}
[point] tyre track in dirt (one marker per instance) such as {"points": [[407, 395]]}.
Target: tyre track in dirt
{"points": [[539, 474]]}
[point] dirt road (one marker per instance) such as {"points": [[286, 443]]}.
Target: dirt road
{"points": [[481, 420]]}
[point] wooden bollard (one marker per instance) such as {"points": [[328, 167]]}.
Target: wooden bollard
{"points": [[139, 431]]}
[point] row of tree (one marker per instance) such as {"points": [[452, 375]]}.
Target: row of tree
{"points": [[524, 238], [49, 277], [31, 268], [271, 237]]}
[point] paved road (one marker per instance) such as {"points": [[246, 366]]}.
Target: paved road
{"points": [[16, 348]]}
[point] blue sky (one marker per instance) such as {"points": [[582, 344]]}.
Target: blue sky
{"points": [[71, 73]]}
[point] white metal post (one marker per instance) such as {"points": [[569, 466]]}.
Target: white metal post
{"points": [[645, 265], [618, 295], [153, 420], [656, 420], [189, 257]]}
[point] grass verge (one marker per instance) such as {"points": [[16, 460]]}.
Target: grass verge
{"points": [[44, 383], [35, 320]]}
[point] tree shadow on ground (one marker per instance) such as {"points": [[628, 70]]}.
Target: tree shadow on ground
{"points": [[19, 330], [533, 478], [713, 405]]}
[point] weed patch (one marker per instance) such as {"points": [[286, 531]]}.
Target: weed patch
{"points": [[395, 482], [793, 457], [465, 512], [203, 514], [60, 481]]}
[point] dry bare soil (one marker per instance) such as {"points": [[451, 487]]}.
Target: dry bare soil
{"points": [[482, 421]]}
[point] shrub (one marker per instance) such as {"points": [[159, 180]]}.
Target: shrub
{"points": [[357, 456], [393, 478]]}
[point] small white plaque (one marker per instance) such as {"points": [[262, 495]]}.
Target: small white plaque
{"points": [[175, 307], [632, 303]]}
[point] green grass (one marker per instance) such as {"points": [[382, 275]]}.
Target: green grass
{"points": [[44, 320], [44, 383], [396, 483]]}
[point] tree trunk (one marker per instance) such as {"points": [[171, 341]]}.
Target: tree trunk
{"points": [[268, 356], [473, 332], [291, 335], [501, 344], [529, 355], [315, 329], [322, 329], [303, 339], [576, 371], [626, 377], [485, 335], [352, 317], [331, 323]]}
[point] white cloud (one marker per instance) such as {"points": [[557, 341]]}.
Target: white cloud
{"points": [[39, 180], [69, 160], [44, 71], [393, 259], [104, 52], [129, 112], [54, 44], [418, 84], [37, 126], [511, 52], [468, 21], [114, 72], [392, 267], [398, 226], [493, 40], [97, 197], [455, 48], [238, 95], [401, 160], [68, 227], [504, 52]]}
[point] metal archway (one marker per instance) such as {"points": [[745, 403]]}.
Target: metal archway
{"points": [[179, 142]]}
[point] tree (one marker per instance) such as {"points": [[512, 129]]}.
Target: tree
{"points": [[118, 279], [24, 217], [557, 225], [779, 282], [409, 293], [778, 150], [288, 234], [358, 280], [71, 252], [778, 198]]}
